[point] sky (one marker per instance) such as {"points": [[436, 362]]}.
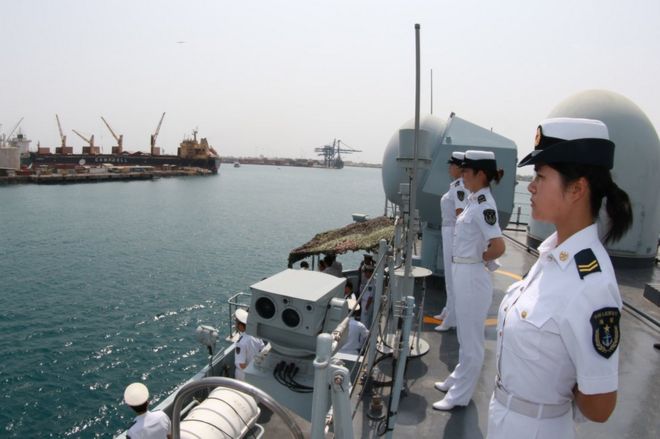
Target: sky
{"points": [[280, 78]]}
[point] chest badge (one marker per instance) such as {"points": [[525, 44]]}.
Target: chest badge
{"points": [[481, 198], [490, 216], [563, 256], [460, 195], [606, 333]]}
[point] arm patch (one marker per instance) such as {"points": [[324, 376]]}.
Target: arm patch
{"points": [[490, 216], [606, 332]]}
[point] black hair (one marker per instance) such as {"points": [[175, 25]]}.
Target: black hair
{"points": [[491, 174], [496, 175], [601, 185], [349, 284], [139, 409]]}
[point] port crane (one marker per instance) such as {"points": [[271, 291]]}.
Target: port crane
{"points": [[332, 153], [90, 149], [62, 136], [120, 139], [154, 136], [8, 137]]}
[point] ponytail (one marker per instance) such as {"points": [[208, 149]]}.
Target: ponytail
{"points": [[618, 205], [619, 210], [494, 175]]}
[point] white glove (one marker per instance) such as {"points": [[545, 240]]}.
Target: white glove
{"points": [[492, 265]]}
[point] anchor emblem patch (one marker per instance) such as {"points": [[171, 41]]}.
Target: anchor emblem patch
{"points": [[606, 332]]}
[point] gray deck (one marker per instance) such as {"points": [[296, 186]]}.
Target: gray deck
{"points": [[636, 414]]}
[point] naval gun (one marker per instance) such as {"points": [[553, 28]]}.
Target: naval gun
{"points": [[437, 139]]}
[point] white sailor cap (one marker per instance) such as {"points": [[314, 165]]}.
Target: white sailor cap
{"points": [[477, 159], [241, 315], [456, 158], [572, 140], [136, 394]]}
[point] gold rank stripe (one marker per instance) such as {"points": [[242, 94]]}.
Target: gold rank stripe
{"points": [[588, 267]]}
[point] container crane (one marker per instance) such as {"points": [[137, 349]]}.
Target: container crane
{"points": [[120, 139], [154, 136], [63, 149], [90, 149], [332, 153]]}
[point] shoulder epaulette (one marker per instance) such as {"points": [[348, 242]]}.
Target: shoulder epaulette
{"points": [[586, 262], [481, 198], [457, 183]]}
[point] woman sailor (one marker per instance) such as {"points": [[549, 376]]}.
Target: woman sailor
{"points": [[452, 204], [477, 242], [558, 328]]}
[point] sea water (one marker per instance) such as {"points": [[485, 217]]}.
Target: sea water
{"points": [[104, 284]]}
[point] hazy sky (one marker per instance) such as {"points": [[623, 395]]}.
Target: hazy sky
{"points": [[280, 78]]}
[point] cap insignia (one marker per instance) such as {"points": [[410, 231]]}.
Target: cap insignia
{"points": [[586, 262], [606, 333]]}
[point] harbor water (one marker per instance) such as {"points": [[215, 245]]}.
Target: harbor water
{"points": [[104, 284]]}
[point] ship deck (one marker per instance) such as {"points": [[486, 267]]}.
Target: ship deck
{"points": [[636, 414]]}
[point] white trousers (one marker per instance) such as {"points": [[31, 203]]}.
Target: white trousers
{"points": [[473, 291], [506, 424], [447, 245]]}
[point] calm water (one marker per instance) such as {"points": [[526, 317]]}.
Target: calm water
{"points": [[104, 284]]}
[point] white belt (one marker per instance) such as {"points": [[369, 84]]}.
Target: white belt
{"points": [[531, 409], [459, 260]]}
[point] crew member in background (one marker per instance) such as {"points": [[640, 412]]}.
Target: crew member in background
{"points": [[247, 346], [367, 295], [558, 328], [333, 266], [477, 242], [147, 424], [357, 332], [452, 204]]}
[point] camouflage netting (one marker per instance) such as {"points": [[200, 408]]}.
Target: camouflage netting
{"points": [[353, 237]]}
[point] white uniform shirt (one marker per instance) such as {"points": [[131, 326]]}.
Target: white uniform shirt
{"points": [[150, 425], [476, 225], [247, 347], [357, 334], [546, 340], [455, 198]]}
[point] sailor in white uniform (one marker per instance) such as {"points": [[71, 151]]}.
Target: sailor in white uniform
{"points": [[147, 424], [558, 328], [247, 346], [452, 203], [357, 332], [477, 242]]}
